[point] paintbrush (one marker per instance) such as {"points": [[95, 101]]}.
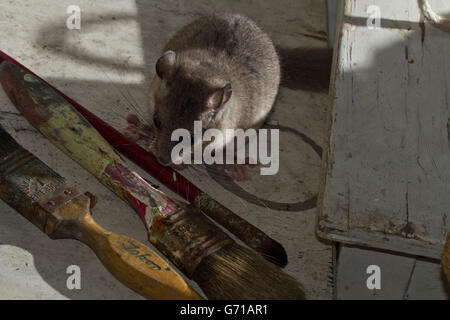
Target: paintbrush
{"points": [[62, 212], [242, 229], [222, 268]]}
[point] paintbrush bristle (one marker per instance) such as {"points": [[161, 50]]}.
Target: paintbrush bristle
{"points": [[239, 273], [8, 145]]}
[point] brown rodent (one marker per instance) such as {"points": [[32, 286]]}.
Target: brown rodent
{"points": [[221, 69]]}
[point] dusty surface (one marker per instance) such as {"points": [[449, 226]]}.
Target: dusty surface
{"points": [[388, 167], [106, 66]]}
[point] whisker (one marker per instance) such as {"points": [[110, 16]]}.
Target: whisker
{"points": [[130, 104], [135, 105], [116, 124]]}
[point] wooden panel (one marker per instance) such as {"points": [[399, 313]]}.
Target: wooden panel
{"points": [[428, 282], [351, 279], [387, 160], [401, 277]]}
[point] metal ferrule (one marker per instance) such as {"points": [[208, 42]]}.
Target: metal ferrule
{"points": [[33, 189], [186, 237]]}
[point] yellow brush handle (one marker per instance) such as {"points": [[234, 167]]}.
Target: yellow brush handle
{"points": [[69, 131], [130, 261], [136, 265]]}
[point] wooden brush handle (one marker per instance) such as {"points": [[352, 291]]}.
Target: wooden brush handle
{"points": [[137, 266], [130, 261], [248, 233], [60, 123], [179, 230], [41, 196], [66, 128]]}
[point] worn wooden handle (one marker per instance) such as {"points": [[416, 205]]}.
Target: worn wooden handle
{"points": [[242, 229], [136, 265], [130, 261], [42, 196]]}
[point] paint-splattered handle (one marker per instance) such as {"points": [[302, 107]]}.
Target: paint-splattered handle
{"points": [[63, 212], [246, 232], [136, 265], [65, 127], [147, 201], [180, 231]]}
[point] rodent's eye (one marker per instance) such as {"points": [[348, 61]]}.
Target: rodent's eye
{"points": [[157, 121]]}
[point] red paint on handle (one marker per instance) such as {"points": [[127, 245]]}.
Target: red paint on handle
{"points": [[251, 235], [133, 187], [138, 155]]}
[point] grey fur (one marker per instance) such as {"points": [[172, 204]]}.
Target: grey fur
{"points": [[211, 53]]}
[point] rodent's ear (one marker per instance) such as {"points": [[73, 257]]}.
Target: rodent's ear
{"points": [[166, 65], [219, 97]]}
